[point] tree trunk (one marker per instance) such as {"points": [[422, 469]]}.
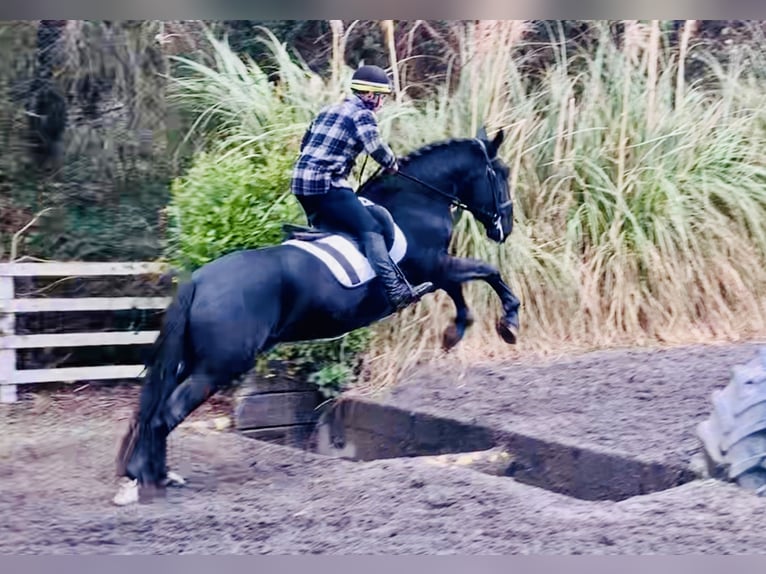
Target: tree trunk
{"points": [[47, 109]]}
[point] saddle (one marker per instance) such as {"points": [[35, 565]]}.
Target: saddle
{"points": [[306, 233], [341, 253]]}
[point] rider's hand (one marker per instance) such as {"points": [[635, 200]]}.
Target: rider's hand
{"points": [[394, 168]]}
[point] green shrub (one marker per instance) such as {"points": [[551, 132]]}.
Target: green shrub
{"points": [[226, 202], [331, 365]]}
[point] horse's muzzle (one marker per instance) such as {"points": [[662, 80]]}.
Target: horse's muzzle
{"points": [[497, 233]]}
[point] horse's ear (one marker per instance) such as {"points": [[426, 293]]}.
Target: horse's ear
{"points": [[496, 143]]}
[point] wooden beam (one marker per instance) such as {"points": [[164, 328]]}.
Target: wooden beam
{"points": [[71, 374], [277, 409], [83, 304], [8, 391], [80, 269], [96, 339]]}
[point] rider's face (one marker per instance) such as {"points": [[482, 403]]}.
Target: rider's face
{"points": [[375, 99]]}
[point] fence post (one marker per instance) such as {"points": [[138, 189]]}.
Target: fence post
{"points": [[7, 327]]}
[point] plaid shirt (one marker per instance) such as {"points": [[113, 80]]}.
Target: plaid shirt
{"points": [[331, 144]]}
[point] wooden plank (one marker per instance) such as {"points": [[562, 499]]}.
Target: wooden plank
{"points": [[83, 304], [78, 339], [81, 269], [255, 384], [7, 321], [71, 374], [290, 435], [7, 356], [278, 409]]}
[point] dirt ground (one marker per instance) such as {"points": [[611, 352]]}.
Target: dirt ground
{"points": [[57, 479]]}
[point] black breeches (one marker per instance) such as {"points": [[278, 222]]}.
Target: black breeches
{"points": [[339, 210]]}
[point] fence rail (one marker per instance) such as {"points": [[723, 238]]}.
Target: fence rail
{"points": [[10, 342]]}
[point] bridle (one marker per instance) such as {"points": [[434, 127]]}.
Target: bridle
{"points": [[495, 216]]}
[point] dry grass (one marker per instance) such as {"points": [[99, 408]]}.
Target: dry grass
{"points": [[637, 199]]}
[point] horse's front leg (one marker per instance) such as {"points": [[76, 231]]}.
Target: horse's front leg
{"points": [[463, 316], [461, 269]]}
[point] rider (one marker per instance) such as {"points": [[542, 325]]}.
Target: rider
{"points": [[329, 148]]}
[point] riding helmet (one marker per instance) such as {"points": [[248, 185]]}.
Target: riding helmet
{"points": [[370, 79]]}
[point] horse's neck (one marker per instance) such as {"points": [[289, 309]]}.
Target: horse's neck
{"points": [[437, 171], [421, 215], [442, 171]]}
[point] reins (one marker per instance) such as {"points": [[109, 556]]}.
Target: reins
{"points": [[453, 199]]}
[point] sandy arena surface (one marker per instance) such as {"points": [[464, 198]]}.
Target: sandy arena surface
{"points": [[57, 479]]}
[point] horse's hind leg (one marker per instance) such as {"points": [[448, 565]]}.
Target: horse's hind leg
{"points": [[184, 399], [136, 452], [187, 397]]}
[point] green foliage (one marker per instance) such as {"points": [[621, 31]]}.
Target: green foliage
{"points": [[227, 202], [92, 233], [106, 175], [639, 194], [331, 365]]}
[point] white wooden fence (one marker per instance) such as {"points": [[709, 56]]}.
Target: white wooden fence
{"points": [[10, 342]]}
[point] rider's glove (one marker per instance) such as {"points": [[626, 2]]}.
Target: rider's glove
{"points": [[393, 168]]}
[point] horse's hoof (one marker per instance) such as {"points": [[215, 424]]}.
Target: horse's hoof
{"points": [[127, 493], [508, 332], [451, 338], [174, 479]]}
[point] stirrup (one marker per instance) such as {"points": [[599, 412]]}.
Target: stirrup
{"points": [[418, 291], [415, 294]]}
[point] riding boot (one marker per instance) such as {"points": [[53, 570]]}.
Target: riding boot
{"points": [[400, 292]]}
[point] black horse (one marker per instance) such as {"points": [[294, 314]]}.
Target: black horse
{"points": [[246, 302]]}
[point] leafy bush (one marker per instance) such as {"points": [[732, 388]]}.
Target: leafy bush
{"points": [[227, 202], [331, 365]]}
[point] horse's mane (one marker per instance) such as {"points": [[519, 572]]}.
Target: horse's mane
{"points": [[428, 150], [429, 160]]}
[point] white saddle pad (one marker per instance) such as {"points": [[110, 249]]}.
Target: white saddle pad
{"points": [[347, 263]]}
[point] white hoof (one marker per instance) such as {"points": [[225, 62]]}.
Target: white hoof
{"points": [[127, 493], [174, 479]]}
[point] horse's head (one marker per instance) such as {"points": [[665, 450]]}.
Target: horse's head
{"points": [[485, 188], [466, 172]]}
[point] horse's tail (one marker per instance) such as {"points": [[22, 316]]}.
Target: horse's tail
{"points": [[162, 364], [166, 354]]}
